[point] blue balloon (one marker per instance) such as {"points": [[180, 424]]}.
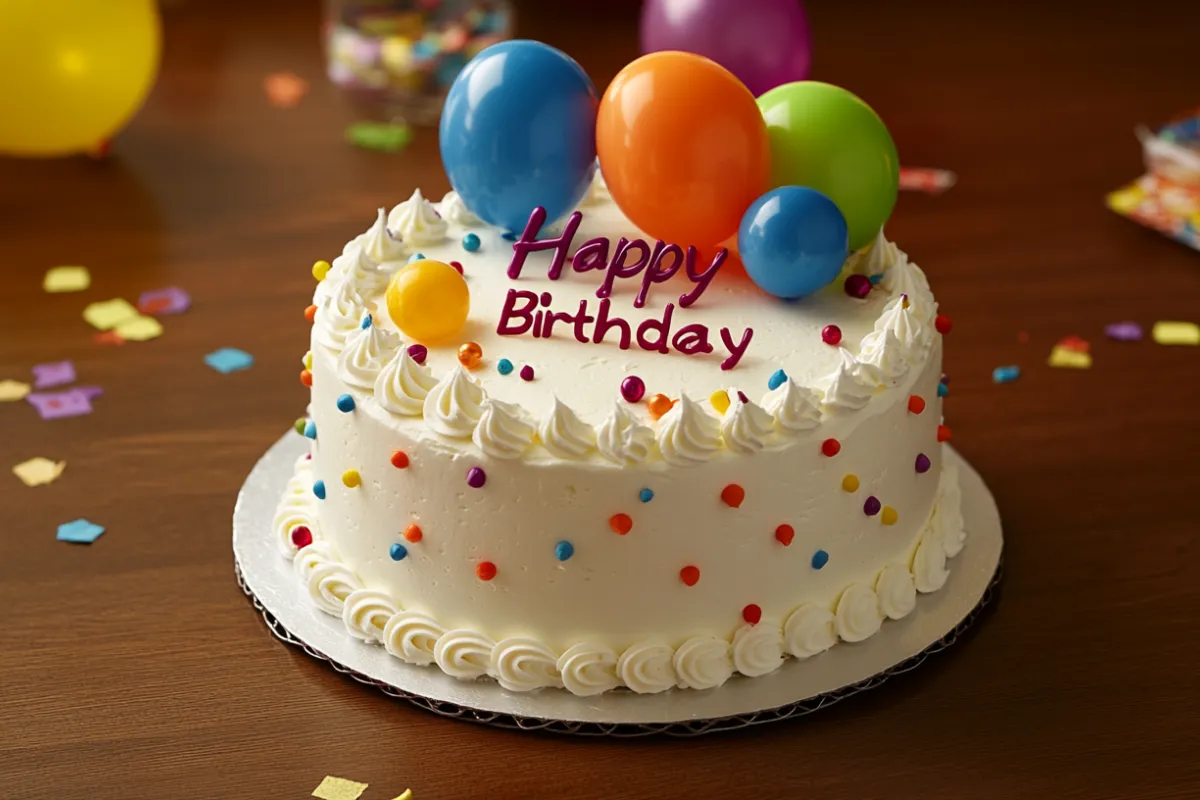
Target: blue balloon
{"points": [[519, 131], [793, 241]]}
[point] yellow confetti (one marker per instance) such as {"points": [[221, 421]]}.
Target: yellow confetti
{"points": [[139, 329], [11, 390], [1069, 359], [67, 279], [1125, 200], [339, 789], [1176, 333], [109, 314], [39, 471], [407, 795]]}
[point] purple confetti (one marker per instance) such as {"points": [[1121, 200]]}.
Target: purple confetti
{"points": [[55, 373], [159, 302], [71, 403], [1124, 331]]}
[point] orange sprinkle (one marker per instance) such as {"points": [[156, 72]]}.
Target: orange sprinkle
{"points": [[485, 570], [399, 459], [620, 523], [306, 377], [470, 354], [310, 313], [943, 433], [733, 495], [659, 404], [689, 575], [916, 404], [413, 532]]}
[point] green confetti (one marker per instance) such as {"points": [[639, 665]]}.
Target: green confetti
{"points": [[384, 137]]}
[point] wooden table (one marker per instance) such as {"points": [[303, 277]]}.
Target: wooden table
{"points": [[135, 668]]}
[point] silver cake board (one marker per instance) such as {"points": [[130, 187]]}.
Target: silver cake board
{"points": [[795, 689]]}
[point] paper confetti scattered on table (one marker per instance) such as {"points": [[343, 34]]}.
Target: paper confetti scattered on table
{"points": [[71, 403], [382, 136], [1124, 331], [139, 329], [924, 179], [1076, 343], [229, 359], [39, 471], [339, 789], [11, 390], [107, 337], [1006, 374], [160, 302], [81, 532], [406, 795], [55, 373], [108, 314], [284, 89], [1069, 359], [66, 279], [1165, 332]]}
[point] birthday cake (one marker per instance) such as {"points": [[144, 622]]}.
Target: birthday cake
{"points": [[570, 454]]}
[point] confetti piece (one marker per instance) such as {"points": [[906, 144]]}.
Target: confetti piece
{"points": [[109, 314], [284, 89], [82, 532], [1124, 331], [1171, 333], [55, 405], [380, 136], [56, 373], [1069, 359], [66, 279], [339, 789], [1075, 343], [229, 359], [39, 471], [139, 329], [160, 302], [924, 179], [11, 390], [1006, 374], [406, 795]]}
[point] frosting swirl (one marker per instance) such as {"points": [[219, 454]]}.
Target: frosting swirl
{"points": [[929, 562], [454, 405], [326, 579], [746, 428], [503, 430], [412, 637], [294, 509], [339, 315], [418, 222], [365, 351], [646, 667], [522, 665], [588, 669], [688, 435], [621, 438], [367, 276], [380, 244], [455, 210], [876, 259], [564, 435], [848, 389], [403, 385], [794, 408], [366, 613], [947, 513], [857, 616], [884, 354], [703, 662], [463, 654], [757, 649], [897, 594], [809, 630]]}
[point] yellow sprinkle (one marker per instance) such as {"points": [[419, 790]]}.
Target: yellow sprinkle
{"points": [[904, 303], [1072, 359], [351, 478], [320, 270], [308, 360], [850, 483], [719, 400], [889, 516], [1176, 333]]}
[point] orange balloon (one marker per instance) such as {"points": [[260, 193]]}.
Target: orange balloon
{"points": [[683, 147]]}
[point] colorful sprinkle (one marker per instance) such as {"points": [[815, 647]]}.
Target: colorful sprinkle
{"points": [[923, 464], [1006, 374], [413, 532], [310, 313], [418, 353], [319, 490], [310, 429], [943, 389], [1069, 359], [398, 552], [621, 524], [943, 324], [850, 483], [306, 378], [872, 506], [916, 404], [646, 495], [470, 354], [820, 559], [659, 404], [300, 425], [943, 433], [526, 373], [471, 242], [308, 361], [301, 536], [1124, 331], [831, 334], [733, 495], [831, 447], [1076, 343], [1168, 332], [416, 257], [689, 575], [399, 459], [485, 570], [889, 516], [457, 267], [345, 403], [633, 389], [784, 534], [320, 269], [719, 400], [875, 279], [476, 477], [776, 380], [351, 478], [857, 286], [366, 322], [752, 614], [504, 366], [742, 396], [564, 550]]}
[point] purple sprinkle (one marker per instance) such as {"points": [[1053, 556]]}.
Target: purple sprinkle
{"points": [[476, 477], [857, 286], [742, 396], [633, 389], [418, 352], [872, 506], [1124, 331], [526, 373], [922, 463]]}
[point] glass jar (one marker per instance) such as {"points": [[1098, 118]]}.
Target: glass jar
{"points": [[398, 58]]}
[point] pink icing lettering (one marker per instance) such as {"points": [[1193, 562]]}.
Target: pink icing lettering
{"points": [[603, 323], [660, 326], [655, 272], [701, 279], [510, 310], [692, 339], [617, 268], [592, 254], [736, 351], [529, 243]]}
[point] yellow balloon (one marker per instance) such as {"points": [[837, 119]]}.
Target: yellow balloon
{"points": [[73, 72], [428, 301]]}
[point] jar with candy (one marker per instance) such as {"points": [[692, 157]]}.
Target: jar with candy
{"points": [[399, 57]]}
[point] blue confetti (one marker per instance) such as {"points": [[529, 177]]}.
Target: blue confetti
{"points": [[1006, 374], [504, 366], [776, 380], [820, 559], [471, 242], [80, 532], [564, 550], [319, 490], [646, 495], [229, 359], [310, 429], [345, 403], [398, 552]]}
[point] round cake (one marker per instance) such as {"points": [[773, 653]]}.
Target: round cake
{"points": [[628, 467]]}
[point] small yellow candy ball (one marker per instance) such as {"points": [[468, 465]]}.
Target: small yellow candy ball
{"points": [[320, 270], [889, 516], [428, 300], [351, 478], [719, 400], [850, 483], [308, 360]]}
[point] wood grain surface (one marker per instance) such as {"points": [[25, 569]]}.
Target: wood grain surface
{"points": [[135, 668]]}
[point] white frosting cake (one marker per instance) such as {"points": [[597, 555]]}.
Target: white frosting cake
{"points": [[530, 519]]}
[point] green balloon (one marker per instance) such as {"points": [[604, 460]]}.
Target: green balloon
{"points": [[828, 139]]}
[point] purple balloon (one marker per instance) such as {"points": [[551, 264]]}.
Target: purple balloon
{"points": [[765, 43]]}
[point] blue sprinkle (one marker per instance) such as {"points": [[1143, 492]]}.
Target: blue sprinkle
{"points": [[504, 366], [310, 429], [820, 559], [564, 550], [943, 390], [345, 403], [471, 242], [875, 279], [416, 257], [423, 50], [319, 490], [776, 380], [1006, 374], [508, 236], [398, 552], [366, 323], [646, 495]]}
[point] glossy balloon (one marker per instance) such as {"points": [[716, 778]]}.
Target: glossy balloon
{"points": [[682, 146], [824, 137], [764, 48], [793, 241], [519, 131], [73, 71]]}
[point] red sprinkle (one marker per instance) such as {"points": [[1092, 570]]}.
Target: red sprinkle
{"points": [[485, 570], [916, 404], [399, 459], [457, 266], [733, 495], [413, 532], [785, 533], [310, 313], [831, 447], [858, 286], [306, 378], [526, 373], [301, 536], [689, 575], [831, 334], [752, 614], [418, 352], [943, 433], [943, 324], [620, 523]]}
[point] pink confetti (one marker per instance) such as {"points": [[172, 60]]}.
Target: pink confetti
{"points": [[1124, 331], [71, 403], [56, 373], [160, 302]]}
